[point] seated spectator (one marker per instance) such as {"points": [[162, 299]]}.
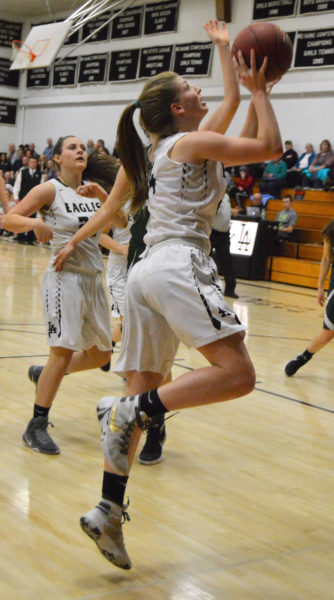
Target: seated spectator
{"points": [[243, 187], [42, 163], [286, 219], [314, 175], [32, 150], [290, 155], [90, 147], [100, 147], [274, 178], [4, 165], [11, 155], [293, 177], [50, 170], [18, 162], [48, 150]]}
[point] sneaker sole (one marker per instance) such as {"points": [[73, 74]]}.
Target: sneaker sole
{"points": [[28, 443], [95, 534], [146, 462]]}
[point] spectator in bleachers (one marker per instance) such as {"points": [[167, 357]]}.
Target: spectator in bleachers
{"points": [[4, 166], [286, 219], [11, 155], [316, 173], [27, 179], [32, 150], [100, 147], [42, 162], [48, 150], [290, 155], [51, 169], [18, 162], [90, 147], [304, 161], [243, 187], [274, 178]]}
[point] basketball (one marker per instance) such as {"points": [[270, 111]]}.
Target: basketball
{"points": [[267, 40]]}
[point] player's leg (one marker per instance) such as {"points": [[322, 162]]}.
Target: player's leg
{"points": [[48, 381]]}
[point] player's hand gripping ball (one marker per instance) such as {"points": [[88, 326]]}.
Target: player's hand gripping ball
{"points": [[268, 40]]}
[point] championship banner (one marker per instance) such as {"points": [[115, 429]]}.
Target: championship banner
{"points": [[274, 9], [128, 24], [9, 32], [39, 78], [154, 60], [8, 108], [315, 48], [161, 17], [93, 68], [124, 65], [6, 76], [90, 26], [308, 7], [193, 59], [65, 73]]}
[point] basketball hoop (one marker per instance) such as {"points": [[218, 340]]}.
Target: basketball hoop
{"points": [[22, 51]]}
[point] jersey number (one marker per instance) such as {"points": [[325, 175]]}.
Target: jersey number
{"points": [[82, 221]]}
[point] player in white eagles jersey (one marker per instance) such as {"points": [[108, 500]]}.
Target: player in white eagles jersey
{"points": [[174, 291], [75, 306]]}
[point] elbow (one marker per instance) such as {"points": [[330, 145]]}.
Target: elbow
{"points": [[275, 152]]}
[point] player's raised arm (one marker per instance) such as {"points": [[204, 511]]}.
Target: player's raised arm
{"points": [[223, 115]]}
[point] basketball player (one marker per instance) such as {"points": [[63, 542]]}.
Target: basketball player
{"points": [[327, 333], [75, 306], [174, 292]]}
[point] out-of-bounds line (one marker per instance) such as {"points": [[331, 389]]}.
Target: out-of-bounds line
{"points": [[309, 404], [25, 356]]}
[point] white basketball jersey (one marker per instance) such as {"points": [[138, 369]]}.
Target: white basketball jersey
{"points": [[183, 198], [68, 212]]}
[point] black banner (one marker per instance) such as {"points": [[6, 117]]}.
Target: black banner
{"points": [[124, 65], [7, 77], [315, 48], [8, 108], [9, 32], [155, 60], [128, 24], [65, 73], [90, 26], [73, 39], [273, 9], [193, 59], [161, 17], [315, 6], [93, 68], [39, 78]]}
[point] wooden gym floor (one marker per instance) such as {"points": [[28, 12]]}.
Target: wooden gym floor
{"points": [[240, 509]]}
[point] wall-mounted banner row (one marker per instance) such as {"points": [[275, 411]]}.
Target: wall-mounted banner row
{"points": [[192, 59], [274, 9], [8, 108]]}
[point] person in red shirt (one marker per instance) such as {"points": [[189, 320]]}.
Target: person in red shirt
{"points": [[243, 187]]}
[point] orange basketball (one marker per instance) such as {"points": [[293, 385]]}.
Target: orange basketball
{"points": [[268, 40]]}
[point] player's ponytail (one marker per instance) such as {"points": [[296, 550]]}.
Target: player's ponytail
{"points": [[155, 116]]}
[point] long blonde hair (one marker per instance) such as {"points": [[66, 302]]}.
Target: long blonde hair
{"points": [[156, 116]]}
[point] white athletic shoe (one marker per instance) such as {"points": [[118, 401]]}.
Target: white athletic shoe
{"points": [[118, 419], [103, 524]]}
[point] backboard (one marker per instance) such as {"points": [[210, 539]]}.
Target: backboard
{"points": [[41, 46]]}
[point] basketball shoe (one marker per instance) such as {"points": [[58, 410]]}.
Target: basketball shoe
{"points": [[103, 524], [118, 419], [151, 453], [37, 438]]}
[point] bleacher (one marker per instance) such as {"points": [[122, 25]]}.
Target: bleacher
{"points": [[299, 261]]}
